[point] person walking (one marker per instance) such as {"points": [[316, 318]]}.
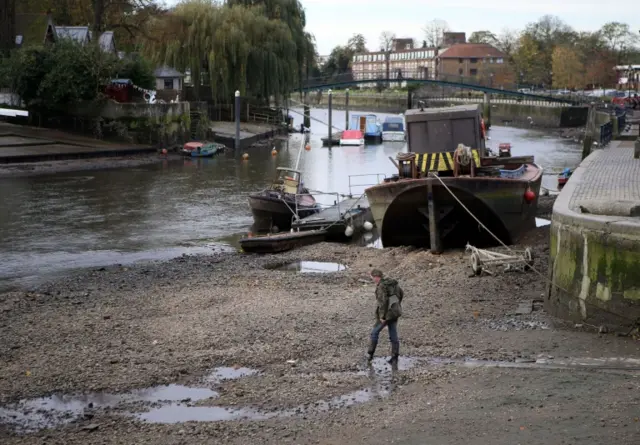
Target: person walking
{"points": [[388, 309]]}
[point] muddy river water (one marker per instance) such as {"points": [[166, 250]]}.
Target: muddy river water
{"points": [[53, 223]]}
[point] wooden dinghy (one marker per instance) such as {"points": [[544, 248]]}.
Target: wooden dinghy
{"points": [[281, 242]]}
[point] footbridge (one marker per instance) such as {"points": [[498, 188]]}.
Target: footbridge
{"points": [[392, 78]]}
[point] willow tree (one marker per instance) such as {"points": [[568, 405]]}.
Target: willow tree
{"points": [[239, 47]]}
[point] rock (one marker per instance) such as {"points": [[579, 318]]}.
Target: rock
{"points": [[92, 427]]}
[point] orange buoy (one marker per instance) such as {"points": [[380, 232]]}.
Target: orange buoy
{"points": [[307, 147], [274, 152], [529, 196], [164, 151], [245, 156]]}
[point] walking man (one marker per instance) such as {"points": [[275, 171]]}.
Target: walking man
{"points": [[388, 310]]}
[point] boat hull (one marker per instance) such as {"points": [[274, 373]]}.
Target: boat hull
{"points": [[281, 242], [352, 142], [393, 136], [401, 214], [269, 213]]}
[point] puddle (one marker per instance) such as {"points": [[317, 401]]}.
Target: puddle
{"points": [[541, 222], [175, 400], [309, 267]]}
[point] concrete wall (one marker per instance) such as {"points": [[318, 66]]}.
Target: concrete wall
{"points": [[595, 264], [162, 124]]}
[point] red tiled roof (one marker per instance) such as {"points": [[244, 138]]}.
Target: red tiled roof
{"points": [[470, 50]]}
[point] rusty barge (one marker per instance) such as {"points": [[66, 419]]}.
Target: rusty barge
{"points": [[447, 176]]}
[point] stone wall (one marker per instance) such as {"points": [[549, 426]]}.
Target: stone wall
{"points": [[157, 124]]}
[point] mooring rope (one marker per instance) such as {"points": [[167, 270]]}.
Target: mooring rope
{"points": [[544, 277]]}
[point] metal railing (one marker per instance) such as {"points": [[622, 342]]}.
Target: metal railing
{"points": [[377, 175], [606, 133], [295, 216]]}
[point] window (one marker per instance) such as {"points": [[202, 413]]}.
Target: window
{"points": [[168, 84], [460, 71], [473, 72], [460, 60], [499, 61], [473, 60]]}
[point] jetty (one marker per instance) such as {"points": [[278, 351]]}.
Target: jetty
{"points": [[341, 220], [335, 139]]}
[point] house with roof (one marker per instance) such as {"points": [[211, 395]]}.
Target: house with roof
{"points": [[34, 29], [470, 60], [168, 78]]}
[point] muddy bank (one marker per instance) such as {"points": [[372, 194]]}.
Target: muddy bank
{"points": [[51, 167], [112, 330]]}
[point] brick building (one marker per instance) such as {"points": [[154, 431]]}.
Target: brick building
{"points": [[473, 60], [404, 61]]}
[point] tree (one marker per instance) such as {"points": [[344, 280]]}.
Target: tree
{"points": [[508, 42], [232, 47], [387, 39], [619, 39], [528, 61], [486, 37], [357, 43], [434, 32], [7, 25], [568, 70]]}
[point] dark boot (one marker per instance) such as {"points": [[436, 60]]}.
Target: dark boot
{"points": [[370, 351], [395, 353]]}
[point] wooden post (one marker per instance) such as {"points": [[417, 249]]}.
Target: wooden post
{"points": [[330, 127], [237, 105], [434, 226], [487, 110], [409, 99], [307, 111], [346, 109]]}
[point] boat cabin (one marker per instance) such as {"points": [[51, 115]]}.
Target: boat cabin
{"points": [[287, 180], [432, 130], [392, 124], [366, 123]]}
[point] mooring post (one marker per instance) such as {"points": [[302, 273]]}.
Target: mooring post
{"points": [[307, 111], [346, 109], [409, 99], [329, 141], [487, 110], [237, 107], [434, 223]]}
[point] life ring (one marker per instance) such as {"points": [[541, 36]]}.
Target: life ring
{"points": [[483, 129]]}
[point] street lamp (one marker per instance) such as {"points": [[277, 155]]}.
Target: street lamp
{"points": [[629, 81]]}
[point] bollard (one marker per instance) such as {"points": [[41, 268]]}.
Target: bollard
{"points": [[329, 141], [237, 107], [346, 109], [636, 149]]}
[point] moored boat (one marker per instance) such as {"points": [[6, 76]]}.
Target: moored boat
{"points": [[504, 149], [274, 208], [202, 149], [563, 177], [393, 129], [368, 124], [440, 189], [281, 242], [352, 137]]}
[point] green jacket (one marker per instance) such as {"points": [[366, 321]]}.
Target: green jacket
{"points": [[385, 288]]}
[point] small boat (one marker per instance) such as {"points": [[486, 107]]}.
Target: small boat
{"points": [[564, 177], [275, 206], [281, 242], [504, 150], [352, 137], [202, 149], [393, 129], [368, 124]]}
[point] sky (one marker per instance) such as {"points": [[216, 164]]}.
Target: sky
{"points": [[332, 22]]}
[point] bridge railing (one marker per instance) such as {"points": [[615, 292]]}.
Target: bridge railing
{"points": [[606, 133], [396, 77]]}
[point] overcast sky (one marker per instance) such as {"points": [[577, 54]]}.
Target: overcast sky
{"points": [[334, 21]]}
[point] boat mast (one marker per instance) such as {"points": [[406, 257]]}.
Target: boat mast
{"points": [[300, 152]]}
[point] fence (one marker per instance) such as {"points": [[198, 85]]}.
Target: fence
{"points": [[248, 113], [606, 133]]}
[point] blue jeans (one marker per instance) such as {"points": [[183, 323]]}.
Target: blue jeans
{"points": [[393, 336]]}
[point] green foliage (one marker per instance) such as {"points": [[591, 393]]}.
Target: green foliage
{"points": [[139, 70], [257, 47], [60, 76]]}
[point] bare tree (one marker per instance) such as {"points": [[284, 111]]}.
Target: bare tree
{"points": [[507, 42], [386, 46], [434, 32]]}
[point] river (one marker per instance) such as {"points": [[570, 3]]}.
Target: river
{"points": [[50, 224]]}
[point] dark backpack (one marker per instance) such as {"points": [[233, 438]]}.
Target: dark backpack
{"points": [[394, 310]]}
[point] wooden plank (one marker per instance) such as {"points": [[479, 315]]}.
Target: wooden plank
{"points": [[495, 160]]}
